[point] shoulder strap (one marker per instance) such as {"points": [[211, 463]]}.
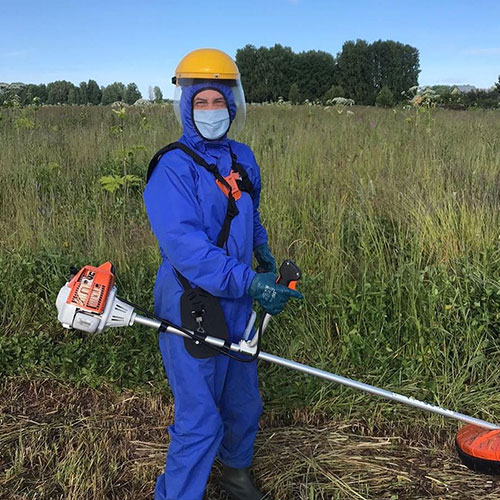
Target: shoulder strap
{"points": [[245, 184], [183, 281], [211, 167], [176, 145]]}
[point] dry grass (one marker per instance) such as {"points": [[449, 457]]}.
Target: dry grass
{"points": [[58, 441]]}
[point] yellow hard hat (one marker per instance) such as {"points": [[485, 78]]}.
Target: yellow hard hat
{"points": [[211, 64]]}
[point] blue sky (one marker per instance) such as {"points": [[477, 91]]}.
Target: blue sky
{"points": [[142, 41]]}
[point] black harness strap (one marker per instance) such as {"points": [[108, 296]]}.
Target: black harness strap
{"points": [[245, 184], [179, 145]]}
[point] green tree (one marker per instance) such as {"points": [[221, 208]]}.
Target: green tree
{"points": [[12, 93], [332, 92], [266, 73], [363, 69], [246, 59], [40, 91], [58, 92], [280, 73], [74, 95], [269, 73], [83, 93], [314, 73], [385, 99], [480, 98], [254, 69], [131, 93], [157, 94], [294, 94], [26, 93], [262, 72], [354, 72], [395, 65], [29, 94], [93, 93], [442, 89], [112, 93], [497, 85]]}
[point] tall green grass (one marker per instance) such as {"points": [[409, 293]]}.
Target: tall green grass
{"points": [[394, 220]]}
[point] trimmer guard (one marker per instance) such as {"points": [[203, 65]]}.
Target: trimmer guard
{"points": [[479, 449]]}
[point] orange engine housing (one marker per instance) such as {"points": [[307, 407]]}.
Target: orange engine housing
{"points": [[90, 287]]}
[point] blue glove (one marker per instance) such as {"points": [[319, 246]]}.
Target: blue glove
{"points": [[265, 258], [271, 296]]}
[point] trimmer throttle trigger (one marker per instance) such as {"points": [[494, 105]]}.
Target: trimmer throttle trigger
{"points": [[289, 274]]}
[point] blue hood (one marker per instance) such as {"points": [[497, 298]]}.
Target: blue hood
{"points": [[190, 134]]}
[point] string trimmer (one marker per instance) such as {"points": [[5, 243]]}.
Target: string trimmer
{"points": [[89, 302]]}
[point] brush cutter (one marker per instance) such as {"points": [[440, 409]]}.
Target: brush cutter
{"points": [[89, 302]]}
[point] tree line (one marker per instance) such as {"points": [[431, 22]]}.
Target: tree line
{"points": [[64, 92], [378, 73], [359, 72]]}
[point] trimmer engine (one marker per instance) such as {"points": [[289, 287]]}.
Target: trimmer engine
{"points": [[88, 302]]}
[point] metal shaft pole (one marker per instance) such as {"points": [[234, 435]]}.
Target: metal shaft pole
{"points": [[375, 390], [271, 358]]}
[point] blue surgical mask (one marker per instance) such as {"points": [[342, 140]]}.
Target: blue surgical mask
{"points": [[212, 123]]}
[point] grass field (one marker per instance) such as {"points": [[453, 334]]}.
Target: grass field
{"points": [[393, 217]]}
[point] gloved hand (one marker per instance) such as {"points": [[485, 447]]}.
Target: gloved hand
{"points": [[271, 296], [265, 258]]}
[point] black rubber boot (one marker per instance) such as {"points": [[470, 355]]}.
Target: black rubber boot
{"points": [[238, 484]]}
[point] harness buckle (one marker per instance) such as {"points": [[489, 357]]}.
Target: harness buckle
{"points": [[198, 316], [232, 179]]}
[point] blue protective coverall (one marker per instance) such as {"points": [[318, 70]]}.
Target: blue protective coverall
{"points": [[217, 403]]}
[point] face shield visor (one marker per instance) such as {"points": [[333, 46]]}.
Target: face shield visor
{"points": [[231, 89]]}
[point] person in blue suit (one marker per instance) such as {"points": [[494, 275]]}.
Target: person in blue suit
{"points": [[217, 401]]}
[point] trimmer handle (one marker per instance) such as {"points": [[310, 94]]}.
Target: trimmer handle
{"points": [[289, 274]]}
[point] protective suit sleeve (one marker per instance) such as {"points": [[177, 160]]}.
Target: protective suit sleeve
{"points": [[175, 216], [259, 231]]}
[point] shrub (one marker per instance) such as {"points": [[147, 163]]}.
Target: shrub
{"points": [[294, 94], [385, 99]]}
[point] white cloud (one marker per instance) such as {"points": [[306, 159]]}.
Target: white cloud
{"points": [[492, 51]]}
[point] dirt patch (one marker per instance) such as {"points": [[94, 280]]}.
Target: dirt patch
{"points": [[58, 441]]}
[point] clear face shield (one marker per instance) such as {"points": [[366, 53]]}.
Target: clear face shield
{"points": [[234, 86]]}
